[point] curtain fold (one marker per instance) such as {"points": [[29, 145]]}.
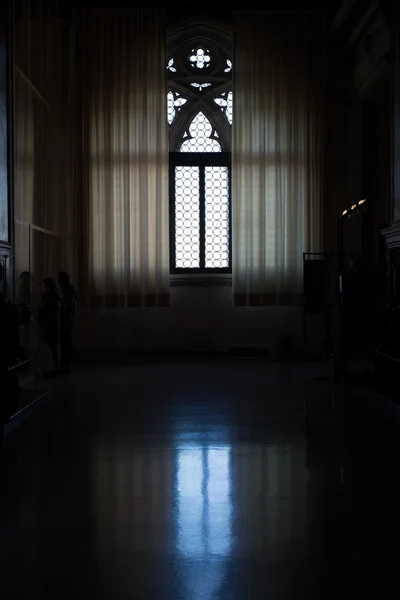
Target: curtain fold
{"points": [[122, 158], [277, 153]]}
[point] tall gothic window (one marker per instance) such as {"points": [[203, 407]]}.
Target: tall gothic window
{"points": [[199, 110]]}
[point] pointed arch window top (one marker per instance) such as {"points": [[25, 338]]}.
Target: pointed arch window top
{"points": [[201, 137], [199, 67]]}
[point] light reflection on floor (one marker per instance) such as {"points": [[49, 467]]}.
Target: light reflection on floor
{"points": [[190, 499], [204, 516], [204, 504]]}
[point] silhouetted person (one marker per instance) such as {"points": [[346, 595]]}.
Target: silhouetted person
{"points": [[68, 309], [24, 288], [49, 323]]}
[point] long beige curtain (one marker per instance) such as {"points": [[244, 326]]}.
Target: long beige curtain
{"points": [[276, 153], [122, 162]]}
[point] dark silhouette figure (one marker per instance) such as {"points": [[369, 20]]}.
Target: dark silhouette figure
{"points": [[49, 322], [68, 309], [24, 288]]}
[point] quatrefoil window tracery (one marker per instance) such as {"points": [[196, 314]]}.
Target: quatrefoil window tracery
{"points": [[200, 58]]}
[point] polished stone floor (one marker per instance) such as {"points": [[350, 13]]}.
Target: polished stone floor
{"points": [[198, 480]]}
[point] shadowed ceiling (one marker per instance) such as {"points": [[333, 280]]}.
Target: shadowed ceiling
{"points": [[217, 9]]}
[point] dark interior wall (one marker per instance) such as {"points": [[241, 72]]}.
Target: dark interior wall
{"points": [[342, 150], [377, 172], [44, 213], [359, 128]]}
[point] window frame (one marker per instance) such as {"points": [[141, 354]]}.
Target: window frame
{"points": [[201, 160], [217, 37]]}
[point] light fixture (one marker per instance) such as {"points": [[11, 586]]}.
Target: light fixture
{"points": [[355, 209]]}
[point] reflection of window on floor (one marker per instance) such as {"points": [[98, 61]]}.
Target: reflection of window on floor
{"points": [[204, 501]]}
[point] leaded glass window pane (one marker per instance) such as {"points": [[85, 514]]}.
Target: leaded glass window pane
{"points": [[187, 217], [216, 217]]}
